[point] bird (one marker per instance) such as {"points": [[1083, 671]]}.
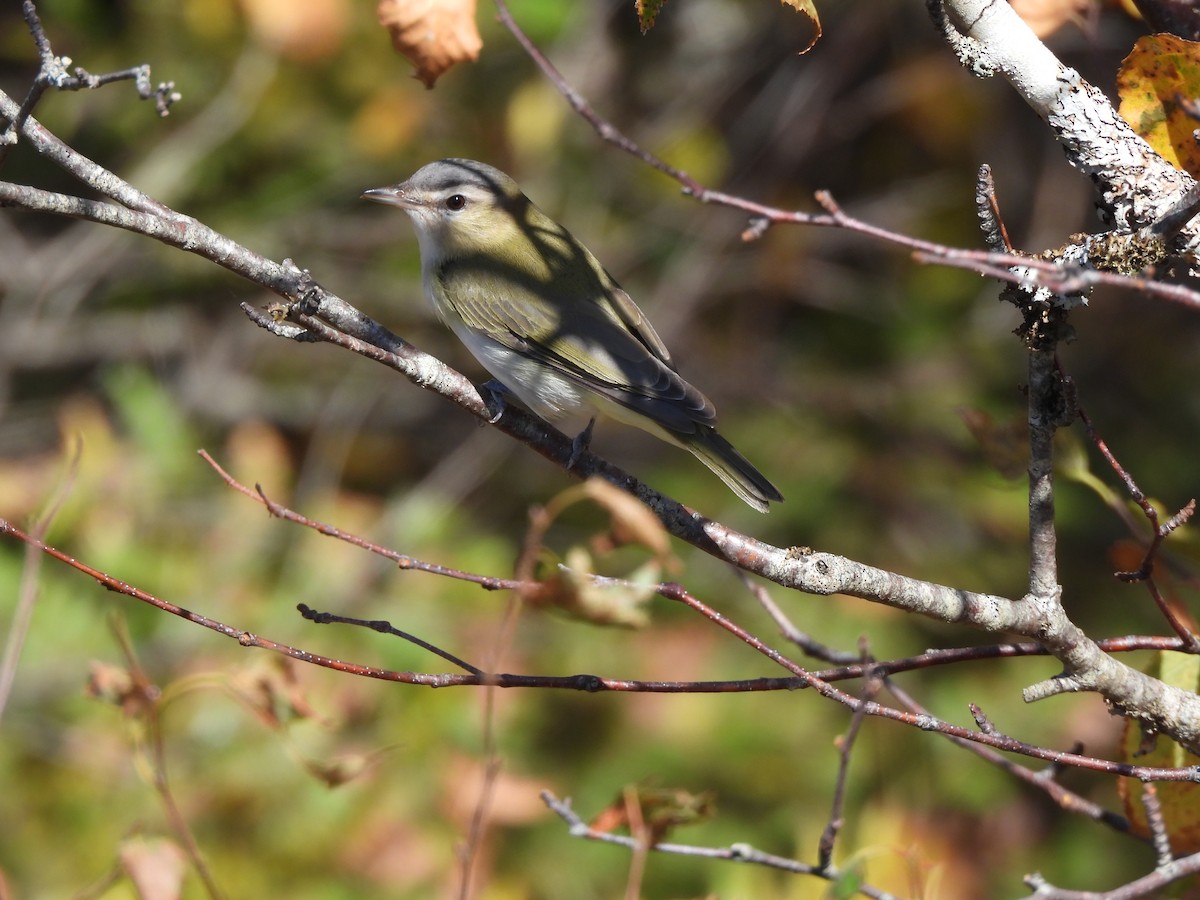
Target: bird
{"points": [[547, 320]]}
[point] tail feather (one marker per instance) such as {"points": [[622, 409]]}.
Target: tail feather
{"points": [[731, 467]]}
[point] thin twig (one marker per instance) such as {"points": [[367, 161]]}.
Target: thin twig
{"points": [[743, 853], [845, 745], [150, 706], [806, 642], [52, 73], [1060, 278], [1159, 533], [925, 722], [1158, 825], [1045, 780], [1151, 885], [384, 627]]}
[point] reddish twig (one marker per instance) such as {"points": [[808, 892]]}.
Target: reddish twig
{"points": [[924, 721], [27, 593], [1159, 533], [1045, 780], [488, 583], [595, 683], [1059, 278], [806, 642]]}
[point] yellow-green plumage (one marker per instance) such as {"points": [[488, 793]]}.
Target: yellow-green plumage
{"points": [[544, 317]]}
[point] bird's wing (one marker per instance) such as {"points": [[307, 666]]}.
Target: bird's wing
{"points": [[629, 313], [604, 344]]}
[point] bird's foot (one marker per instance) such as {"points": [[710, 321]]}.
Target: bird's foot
{"points": [[494, 394], [580, 443]]}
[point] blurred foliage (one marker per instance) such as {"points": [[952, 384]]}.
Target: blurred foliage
{"points": [[847, 373]]}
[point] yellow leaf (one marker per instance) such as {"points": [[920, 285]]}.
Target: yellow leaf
{"points": [[1159, 83], [647, 12]]}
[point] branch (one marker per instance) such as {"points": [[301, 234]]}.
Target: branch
{"points": [[52, 73], [735, 853], [1151, 885], [326, 317], [592, 683], [1137, 187]]}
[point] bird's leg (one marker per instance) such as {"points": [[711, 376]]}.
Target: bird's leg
{"points": [[580, 443], [494, 394]]}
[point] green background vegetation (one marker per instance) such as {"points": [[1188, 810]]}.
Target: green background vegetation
{"points": [[840, 367]]}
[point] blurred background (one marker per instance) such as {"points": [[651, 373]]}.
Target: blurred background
{"points": [[883, 397]]}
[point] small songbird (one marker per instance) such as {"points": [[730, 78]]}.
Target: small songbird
{"points": [[545, 318]]}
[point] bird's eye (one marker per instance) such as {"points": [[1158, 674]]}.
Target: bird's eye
{"points": [[455, 202]]}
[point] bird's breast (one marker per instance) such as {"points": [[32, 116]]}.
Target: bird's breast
{"points": [[538, 386]]}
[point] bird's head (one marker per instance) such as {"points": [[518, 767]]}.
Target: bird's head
{"points": [[459, 207]]}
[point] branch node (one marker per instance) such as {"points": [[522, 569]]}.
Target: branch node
{"points": [[756, 228], [981, 720]]}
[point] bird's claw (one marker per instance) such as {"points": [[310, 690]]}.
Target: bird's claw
{"points": [[580, 443], [493, 394]]}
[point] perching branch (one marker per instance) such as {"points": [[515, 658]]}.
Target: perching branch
{"points": [[321, 315]]}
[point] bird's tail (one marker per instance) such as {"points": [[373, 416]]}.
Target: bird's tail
{"points": [[731, 467]]}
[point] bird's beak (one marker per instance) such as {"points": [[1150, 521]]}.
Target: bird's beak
{"points": [[392, 196]]}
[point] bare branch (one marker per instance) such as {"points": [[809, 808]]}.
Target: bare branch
{"points": [[743, 853], [1151, 885], [845, 746]]}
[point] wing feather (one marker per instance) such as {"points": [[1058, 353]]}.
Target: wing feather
{"points": [[603, 342]]}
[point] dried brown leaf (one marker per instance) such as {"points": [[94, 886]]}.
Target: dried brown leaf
{"points": [[807, 8], [632, 520], [572, 589], [434, 35]]}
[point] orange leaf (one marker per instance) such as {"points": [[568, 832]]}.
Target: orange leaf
{"points": [[433, 34]]}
